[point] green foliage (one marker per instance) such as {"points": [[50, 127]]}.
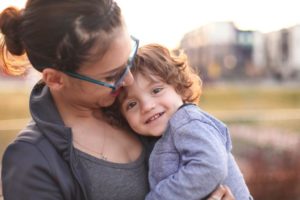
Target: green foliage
{"points": [[247, 98]]}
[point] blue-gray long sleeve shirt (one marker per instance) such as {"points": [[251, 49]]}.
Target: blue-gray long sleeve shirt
{"points": [[192, 158]]}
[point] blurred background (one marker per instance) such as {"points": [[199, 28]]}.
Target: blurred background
{"points": [[248, 55]]}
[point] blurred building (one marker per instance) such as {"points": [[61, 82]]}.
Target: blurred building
{"points": [[220, 51], [283, 50]]}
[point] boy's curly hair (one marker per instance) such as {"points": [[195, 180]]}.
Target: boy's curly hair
{"points": [[154, 60]]}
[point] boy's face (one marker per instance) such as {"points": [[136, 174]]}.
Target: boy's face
{"points": [[149, 105]]}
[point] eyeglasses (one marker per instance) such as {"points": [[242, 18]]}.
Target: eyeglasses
{"points": [[119, 78]]}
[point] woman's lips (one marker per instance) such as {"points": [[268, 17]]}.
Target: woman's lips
{"points": [[117, 92]]}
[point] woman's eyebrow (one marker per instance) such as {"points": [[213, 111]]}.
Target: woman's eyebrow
{"points": [[117, 69]]}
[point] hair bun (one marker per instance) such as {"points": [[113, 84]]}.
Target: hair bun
{"points": [[10, 19]]}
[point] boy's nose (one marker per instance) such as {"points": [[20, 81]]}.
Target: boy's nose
{"points": [[148, 106]]}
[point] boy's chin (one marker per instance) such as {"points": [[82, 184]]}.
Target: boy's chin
{"points": [[155, 134]]}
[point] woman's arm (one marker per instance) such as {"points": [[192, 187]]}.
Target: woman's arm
{"points": [[26, 174]]}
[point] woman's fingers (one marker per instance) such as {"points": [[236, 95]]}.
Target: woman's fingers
{"points": [[222, 193], [214, 198], [218, 193], [228, 194]]}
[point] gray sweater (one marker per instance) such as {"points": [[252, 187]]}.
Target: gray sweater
{"points": [[192, 158]]}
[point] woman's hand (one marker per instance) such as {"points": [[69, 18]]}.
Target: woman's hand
{"points": [[222, 193]]}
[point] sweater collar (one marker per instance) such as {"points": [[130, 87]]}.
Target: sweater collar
{"points": [[48, 119]]}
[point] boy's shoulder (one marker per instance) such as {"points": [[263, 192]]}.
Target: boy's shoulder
{"points": [[192, 117], [185, 114], [190, 112]]}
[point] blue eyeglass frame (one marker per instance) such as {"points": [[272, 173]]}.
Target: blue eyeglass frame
{"points": [[123, 74]]}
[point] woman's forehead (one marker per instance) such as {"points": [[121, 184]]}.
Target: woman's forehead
{"points": [[114, 57]]}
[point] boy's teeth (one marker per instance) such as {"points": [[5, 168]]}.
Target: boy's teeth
{"points": [[154, 117]]}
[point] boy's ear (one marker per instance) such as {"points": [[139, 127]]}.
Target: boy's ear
{"points": [[53, 78]]}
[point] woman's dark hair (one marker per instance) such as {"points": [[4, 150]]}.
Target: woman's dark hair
{"points": [[60, 34]]}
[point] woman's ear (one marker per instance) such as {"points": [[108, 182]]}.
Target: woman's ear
{"points": [[53, 78]]}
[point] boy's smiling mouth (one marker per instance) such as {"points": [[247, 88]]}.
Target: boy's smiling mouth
{"points": [[154, 117]]}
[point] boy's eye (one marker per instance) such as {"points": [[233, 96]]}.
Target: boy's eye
{"points": [[156, 90], [130, 105]]}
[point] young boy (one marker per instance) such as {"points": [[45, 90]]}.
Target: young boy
{"points": [[193, 155]]}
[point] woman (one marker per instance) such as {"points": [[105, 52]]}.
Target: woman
{"points": [[70, 150]]}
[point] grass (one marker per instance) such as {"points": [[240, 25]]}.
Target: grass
{"points": [[237, 104], [247, 98], [252, 105], [14, 104]]}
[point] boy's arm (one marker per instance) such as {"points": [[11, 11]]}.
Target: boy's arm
{"points": [[204, 159]]}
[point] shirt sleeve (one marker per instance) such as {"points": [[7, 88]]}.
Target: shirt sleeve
{"points": [[203, 163], [26, 174]]}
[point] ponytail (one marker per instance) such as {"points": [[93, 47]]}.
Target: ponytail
{"points": [[11, 47], [60, 34]]}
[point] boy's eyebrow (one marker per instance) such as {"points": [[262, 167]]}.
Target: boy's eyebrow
{"points": [[123, 95], [151, 83]]}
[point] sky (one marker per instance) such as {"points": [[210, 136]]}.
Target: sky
{"points": [[166, 21]]}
